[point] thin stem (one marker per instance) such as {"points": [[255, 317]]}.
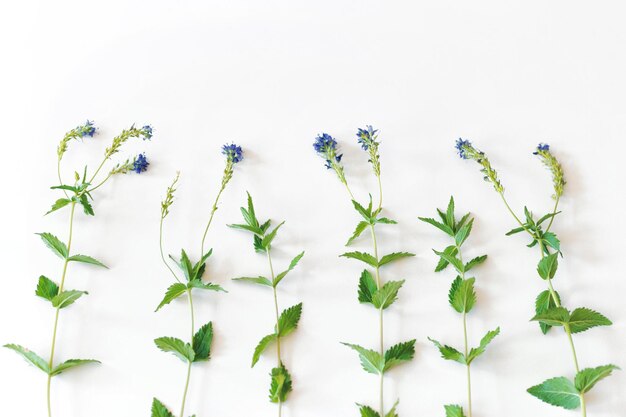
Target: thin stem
{"points": [[59, 176], [213, 210], [182, 408], [101, 183], [380, 319], [161, 249], [56, 314], [193, 330], [466, 345], [380, 193], [278, 357], [556, 206], [349, 191]]}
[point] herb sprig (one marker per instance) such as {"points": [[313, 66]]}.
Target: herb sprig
{"points": [[79, 192], [462, 296], [372, 290], [198, 349], [549, 310], [287, 321]]}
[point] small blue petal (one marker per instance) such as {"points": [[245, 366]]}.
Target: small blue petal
{"points": [[141, 163], [146, 132], [233, 152], [460, 146]]}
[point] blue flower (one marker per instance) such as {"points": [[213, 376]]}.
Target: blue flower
{"points": [[323, 143], [366, 137], [88, 129], [233, 153], [146, 131], [542, 147], [140, 164], [460, 146]]}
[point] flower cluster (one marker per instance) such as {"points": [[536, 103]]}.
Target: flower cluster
{"points": [[233, 153], [140, 164], [87, 129], [467, 151], [326, 147], [145, 133], [543, 152], [367, 138]]}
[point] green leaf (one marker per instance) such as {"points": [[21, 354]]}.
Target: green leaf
{"points": [[292, 265], [60, 203], [587, 378], [443, 227], [461, 236], [159, 410], [398, 354], [255, 280], [385, 220], [366, 213], [514, 231], [266, 242], [363, 257], [367, 411], [543, 303], [555, 316], [450, 220], [371, 361], [367, 287], [184, 351], [261, 346], [173, 292], [258, 241], [462, 296], [451, 250], [357, 232], [448, 352], [46, 288], [54, 244], [202, 343], [196, 283], [87, 208], [551, 240], [281, 384], [86, 259], [558, 391], [474, 262], [71, 363], [256, 230], [30, 356], [452, 259], [583, 318], [199, 267], [65, 187], [476, 352], [66, 298], [453, 410], [546, 217], [386, 296], [547, 266], [394, 257], [288, 320]]}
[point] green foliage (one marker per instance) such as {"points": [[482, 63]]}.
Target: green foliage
{"points": [[558, 391], [449, 353], [454, 410], [372, 361], [587, 378], [543, 303], [547, 266], [367, 411], [451, 259], [30, 357], [394, 257], [261, 346], [261, 241], [159, 410], [56, 246], [66, 298], [255, 280], [281, 384], [86, 259], [46, 288], [71, 363], [476, 352], [398, 354], [357, 232], [450, 252], [363, 257], [173, 292], [462, 296], [387, 295], [292, 265], [202, 343], [183, 351], [367, 287], [577, 321], [288, 320], [474, 262]]}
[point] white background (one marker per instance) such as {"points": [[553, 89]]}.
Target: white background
{"points": [[271, 75]]}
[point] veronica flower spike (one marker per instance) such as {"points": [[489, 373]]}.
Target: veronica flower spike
{"points": [[372, 289], [198, 349], [78, 193], [550, 311]]}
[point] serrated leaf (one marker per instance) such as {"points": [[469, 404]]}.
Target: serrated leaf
{"points": [[261, 346], [450, 220], [548, 266], [202, 343], [371, 361], [555, 316], [394, 257], [288, 320], [66, 298], [52, 242], [266, 242], [87, 207], [385, 220], [159, 410], [173, 292], [398, 354], [587, 378], [461, 236], [255, 280], [357, 232], [386, 296], [87, 260], [365, 212], [462, 296], [452, 260], [583, 318], [200, 266], [46, 288], [451, 250], [448, 352], [476, 352], [367, 287], [292, 265], [256, 230], [183, 351], [367, 411], [543, 303], [60, 203], [514, 231], [551, 240], [30, 356], [196, 283], [392, 412], [453, 410], [363, 257], [443, 227], [558, 391], [71, 363], [280, 385], [546, 217], [474, 262]]}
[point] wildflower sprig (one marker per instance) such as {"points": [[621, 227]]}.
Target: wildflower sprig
{"points": [[326, 147], [462, 296], [79, 192], [198, 349], [372, 289], [287, 321], [549, 309]]}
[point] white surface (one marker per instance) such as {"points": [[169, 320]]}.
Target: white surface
{"points": [[270, 75]]}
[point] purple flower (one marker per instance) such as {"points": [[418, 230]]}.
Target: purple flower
{"points": [[542, 147], [233, 153], [460, 146], [366, 137], [140, 164]]}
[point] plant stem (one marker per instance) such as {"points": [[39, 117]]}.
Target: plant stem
{"points": [[380, 320], [193, 330], [380, 193], [466, 345], [59, 176], [556, 206], [56, 314], [213, 210], [161, 249], [278, 358]]}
